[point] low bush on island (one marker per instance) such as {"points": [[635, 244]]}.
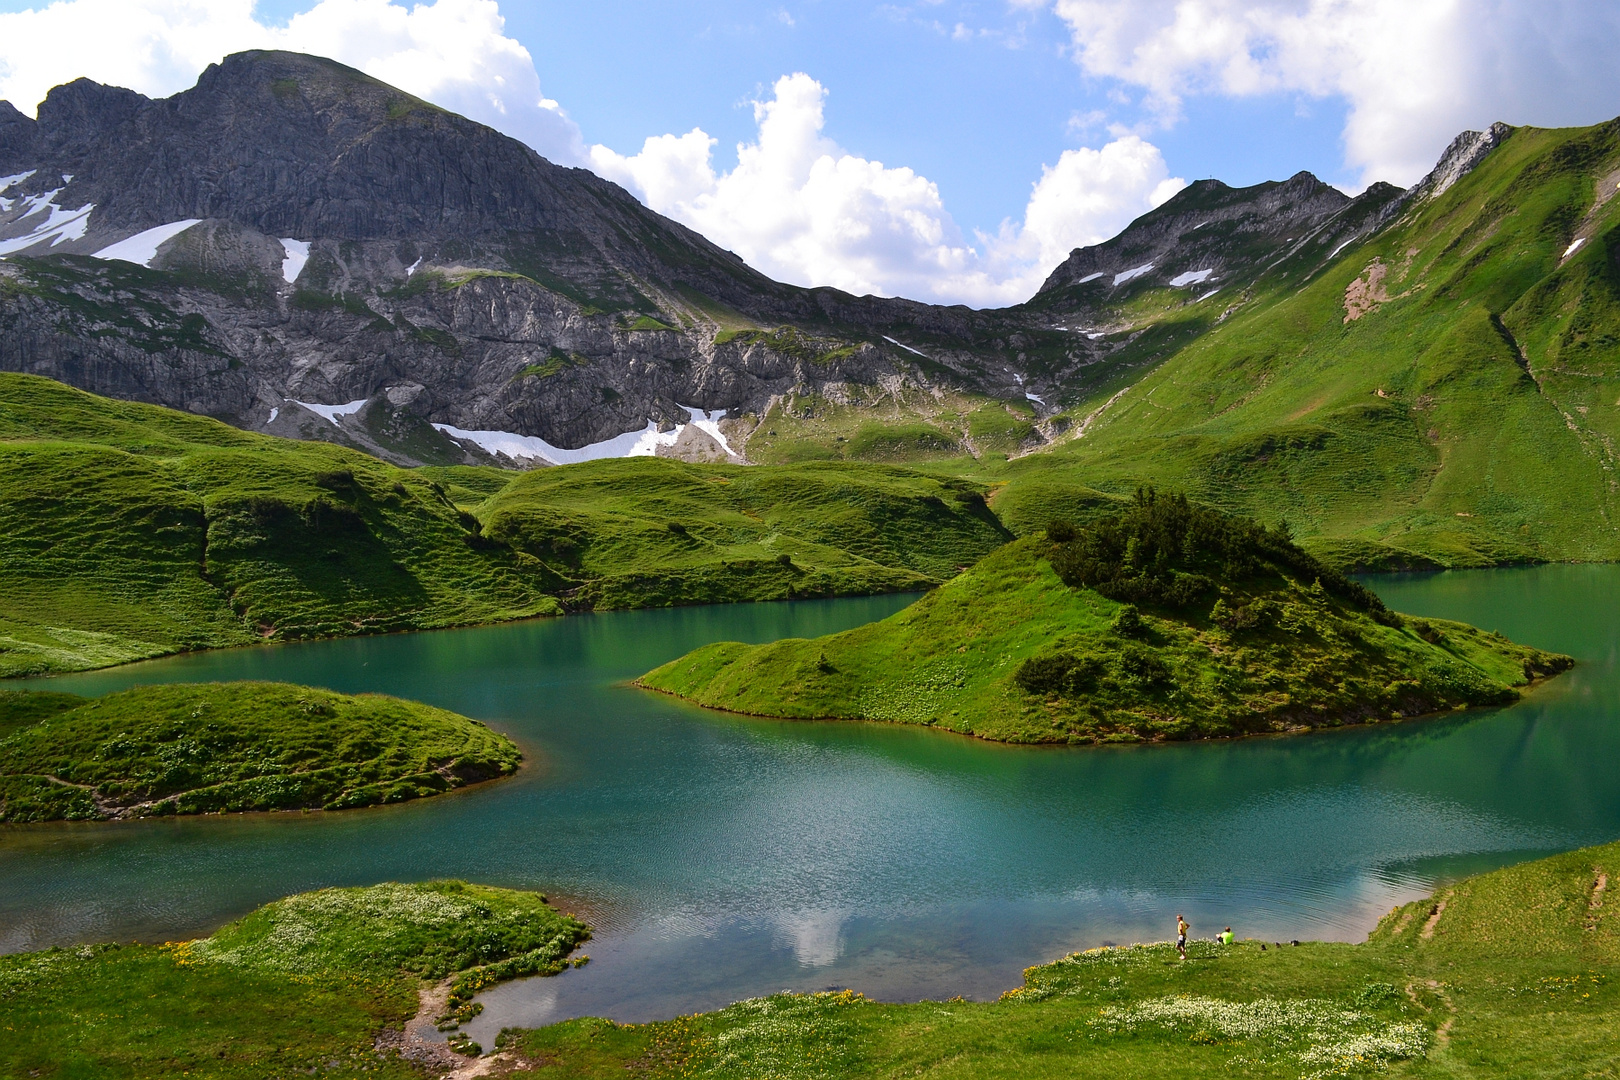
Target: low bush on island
{"points": [[226, 747], [1166, 620]]}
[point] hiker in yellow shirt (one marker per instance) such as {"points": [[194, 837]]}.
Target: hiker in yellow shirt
{"points": [[1182, 926]]}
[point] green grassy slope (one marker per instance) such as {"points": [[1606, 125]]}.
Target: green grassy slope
{"points": [[219, 747], [129, 531], [300, 987], [1465, 415], [1516, 978], [644, 531], [1238, 631]]}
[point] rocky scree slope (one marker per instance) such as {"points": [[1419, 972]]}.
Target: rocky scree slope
{"points": [[348, 243]]}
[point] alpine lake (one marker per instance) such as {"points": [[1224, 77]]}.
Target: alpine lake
{"points": [[721, 857]]}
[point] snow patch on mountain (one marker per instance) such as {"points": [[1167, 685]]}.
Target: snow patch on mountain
{"points": [[295, 255], [1191, 277], [141, 248], [59, 224], [709, 424], [903, 345], [1132, 274], [332, 412], [643, 443]]}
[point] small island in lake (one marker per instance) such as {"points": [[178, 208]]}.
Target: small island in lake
{"points": [[228, 747], [1166, 620]]}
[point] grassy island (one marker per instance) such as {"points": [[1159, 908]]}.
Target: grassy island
{"points": [[300, 987], [1163, 621], [225, 747]]}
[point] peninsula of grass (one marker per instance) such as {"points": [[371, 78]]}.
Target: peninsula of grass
{"points": [[231, 747], [319, 984], [1514, 973], [1166, 620]]}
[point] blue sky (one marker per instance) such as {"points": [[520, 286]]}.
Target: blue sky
{"points": [[1008, 131]]}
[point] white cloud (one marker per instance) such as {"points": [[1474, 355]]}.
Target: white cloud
{"points": [[1414, 74], [801, 209], [454, 53]]}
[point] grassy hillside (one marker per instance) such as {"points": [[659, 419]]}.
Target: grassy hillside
{"points": [[300, 987], [1164, 621], [1509, 974], [129, 531], [1442, 394], [225, 747], [645, 531]]}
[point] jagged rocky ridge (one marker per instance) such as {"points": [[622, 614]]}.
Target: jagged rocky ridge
{"points": [[311, 235]]}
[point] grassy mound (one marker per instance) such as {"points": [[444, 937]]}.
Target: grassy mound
{"points": [[1509, 974], [645, 532], [129, 531], [227, 747], [1165, 620], [299, 987]]}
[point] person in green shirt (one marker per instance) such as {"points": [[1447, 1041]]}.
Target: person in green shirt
{"points": [[1226, 936]]}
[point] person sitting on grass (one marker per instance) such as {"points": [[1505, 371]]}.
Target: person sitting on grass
{"points": [[1226, 936], [1182, 926]]}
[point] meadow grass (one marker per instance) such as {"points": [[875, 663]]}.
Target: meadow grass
{"points": [[228, 747], [643, 532], [1515, 978], [300, 987], [129, 531]]}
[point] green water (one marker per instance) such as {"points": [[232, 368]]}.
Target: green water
{"points": [[722, 857]]}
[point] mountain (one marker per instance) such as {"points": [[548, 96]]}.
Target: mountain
{"points": [[1442, 393], [297, 234], [1407, 378]]}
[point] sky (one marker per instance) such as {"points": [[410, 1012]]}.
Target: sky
{"points": [[948, 150]]}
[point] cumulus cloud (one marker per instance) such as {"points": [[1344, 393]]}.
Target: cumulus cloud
{"points": [[803, 210], [1414, 74], [454, 53]]}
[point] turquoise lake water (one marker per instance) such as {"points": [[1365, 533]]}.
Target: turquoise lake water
{"points": [[721, 857]]}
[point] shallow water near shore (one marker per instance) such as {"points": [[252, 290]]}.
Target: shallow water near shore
{"points": [[722, 857]]}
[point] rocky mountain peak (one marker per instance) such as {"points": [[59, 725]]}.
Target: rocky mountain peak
{"points": [[18, 137], [1207, 232], [1466, 151], [74, 117]]}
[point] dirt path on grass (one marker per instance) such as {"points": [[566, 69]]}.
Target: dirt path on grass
{"points": [[420, 1042], [1434, 917]]}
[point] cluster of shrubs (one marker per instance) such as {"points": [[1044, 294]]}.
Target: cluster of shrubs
{"points": [[1165, 551], [1105, 668]]}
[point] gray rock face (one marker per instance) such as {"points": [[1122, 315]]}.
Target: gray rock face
{"points": [[1233, 234], [1465, 152]]}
